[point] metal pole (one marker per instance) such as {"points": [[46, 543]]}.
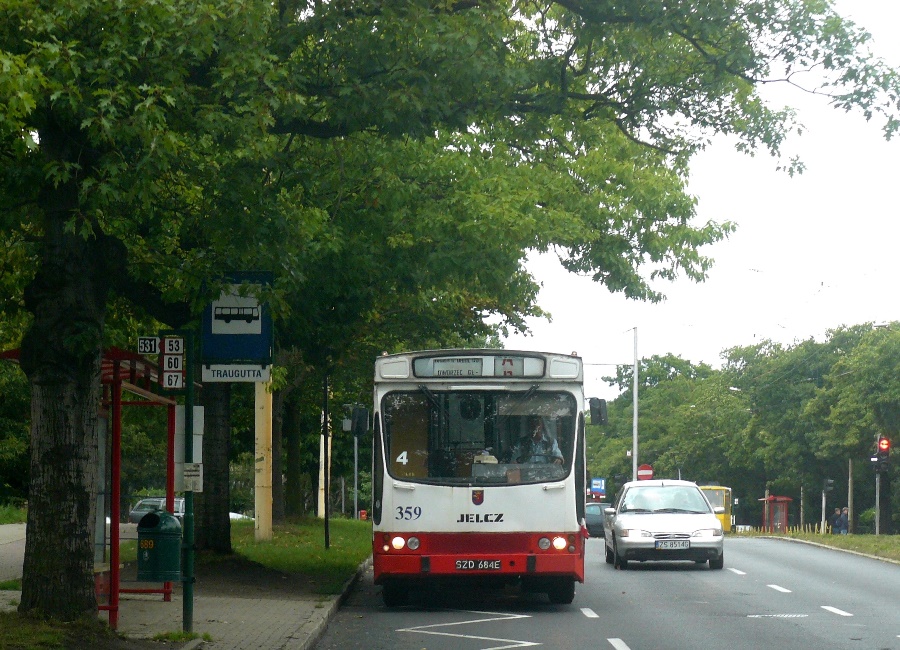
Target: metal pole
{"points": [[634, 424], [822, 529], [325, 448], [188, 575], [850, 509], [878, 503], [355, 477]]}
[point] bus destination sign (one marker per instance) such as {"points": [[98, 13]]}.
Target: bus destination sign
{"points": [[480, 366], [457, 367]]}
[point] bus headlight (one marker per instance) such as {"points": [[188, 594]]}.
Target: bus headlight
{"points": [[559, 543], [544, 543], [413, 543], [398, 543]]}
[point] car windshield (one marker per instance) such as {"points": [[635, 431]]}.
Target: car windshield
{"points": [[664, 498]]}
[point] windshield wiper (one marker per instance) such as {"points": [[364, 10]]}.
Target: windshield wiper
{"points": [[691, 512]]}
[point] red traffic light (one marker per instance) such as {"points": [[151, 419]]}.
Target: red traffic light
{"points": [[884, 444]]}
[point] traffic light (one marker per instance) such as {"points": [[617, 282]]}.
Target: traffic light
{"points": [[882, 453], [828, 485]]}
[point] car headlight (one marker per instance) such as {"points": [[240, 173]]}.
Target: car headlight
{"points": [[707, 533], [635, 532]]}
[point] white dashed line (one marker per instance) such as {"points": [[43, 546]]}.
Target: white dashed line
{"points": [[835, 610], [737, 571], [781, 589], [618, 644], [587, 611]]}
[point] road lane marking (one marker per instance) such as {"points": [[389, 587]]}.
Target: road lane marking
{"points": [[835, 610], [737, 571], [587, 611], [618, 644], [496, 616], [781, 589], [777, 615]]}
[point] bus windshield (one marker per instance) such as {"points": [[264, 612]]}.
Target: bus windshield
{"points": [[479, 437]]}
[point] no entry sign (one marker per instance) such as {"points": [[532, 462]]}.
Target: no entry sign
{"points": [[645, 472]]}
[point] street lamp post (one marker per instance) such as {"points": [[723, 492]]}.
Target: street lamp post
{"points": [[634, 424]]}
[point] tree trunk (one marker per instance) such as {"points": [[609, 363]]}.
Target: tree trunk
{"points": [[214, 525], [293, 499], [61, 356]]}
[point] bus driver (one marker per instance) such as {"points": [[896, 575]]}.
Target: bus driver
{"points": [[538, 446]]}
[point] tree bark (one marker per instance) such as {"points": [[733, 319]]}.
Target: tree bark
{"points": [[293, 499], [61, 355], [213, 531]]}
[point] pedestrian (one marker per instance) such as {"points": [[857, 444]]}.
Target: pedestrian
{"points": [[845, 521], [835, 522]]}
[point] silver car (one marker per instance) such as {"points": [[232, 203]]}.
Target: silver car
{"points": [[155, 504], [663, 520]]}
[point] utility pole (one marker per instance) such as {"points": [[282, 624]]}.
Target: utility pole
{"points": [[634, 407]]}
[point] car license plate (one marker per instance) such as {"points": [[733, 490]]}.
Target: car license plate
{"points": [[672, 544], [478, 565]]}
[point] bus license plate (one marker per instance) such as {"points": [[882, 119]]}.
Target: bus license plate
{"points": [[478, 565], [673, 544]]}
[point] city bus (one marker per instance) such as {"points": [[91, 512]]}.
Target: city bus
{"points": [[720, 496], [478, 471]]}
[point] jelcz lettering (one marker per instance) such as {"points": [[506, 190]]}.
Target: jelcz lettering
{"points": [[492, 518]]}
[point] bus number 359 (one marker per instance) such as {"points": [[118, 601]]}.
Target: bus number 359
{"points": [[408, 513]]}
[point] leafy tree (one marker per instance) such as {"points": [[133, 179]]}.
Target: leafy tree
{"points": [[147, 150], [860, 400], [13, 434]]}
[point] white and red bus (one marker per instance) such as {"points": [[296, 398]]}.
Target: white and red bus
{"points": [[478, 471]]}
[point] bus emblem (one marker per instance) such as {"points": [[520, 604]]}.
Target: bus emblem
{"points": [[477, 497]]}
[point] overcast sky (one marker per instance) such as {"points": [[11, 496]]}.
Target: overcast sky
{"points": [[810, 253]]}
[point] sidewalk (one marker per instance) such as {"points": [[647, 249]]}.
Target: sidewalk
{"points": [[235, 616], [235, 621], [232, 622]]}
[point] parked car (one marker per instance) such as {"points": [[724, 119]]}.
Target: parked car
{"points": [[663, 520], [154, 504], [593, 517]]}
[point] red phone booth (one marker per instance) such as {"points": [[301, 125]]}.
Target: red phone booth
{"points": [[775, 514]]}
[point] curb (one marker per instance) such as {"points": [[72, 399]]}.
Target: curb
{"points": [[322, 622], [314, 628]]}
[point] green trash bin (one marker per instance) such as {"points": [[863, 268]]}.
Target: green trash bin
{"points": [[159, 547]]}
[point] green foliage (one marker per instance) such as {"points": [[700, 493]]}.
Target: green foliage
{"points": [[392, 165], [14, 433], [299, 547], [12, 514], [774, 418]]}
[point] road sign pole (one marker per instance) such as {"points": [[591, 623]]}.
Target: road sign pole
{"points": [[188, 575], [878, 503]]}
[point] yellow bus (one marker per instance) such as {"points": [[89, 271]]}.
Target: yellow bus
{"points": [[720, 496]]}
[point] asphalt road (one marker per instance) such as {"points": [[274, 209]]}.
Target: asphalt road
{"points": [[771, 594]]}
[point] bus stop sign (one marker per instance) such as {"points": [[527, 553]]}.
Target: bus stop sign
{"points": [[645, 472]]}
